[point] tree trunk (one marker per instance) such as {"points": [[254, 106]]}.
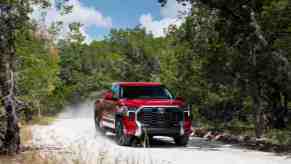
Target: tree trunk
{"points": [[38, 109], [257, 116], [12, 138], [258, 111], [285, 94], [7, 82]]}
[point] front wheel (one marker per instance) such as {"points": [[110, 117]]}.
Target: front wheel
{"points": [[121, 138], [181, 140]]}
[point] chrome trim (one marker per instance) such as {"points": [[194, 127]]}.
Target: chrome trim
{"points": [[182, 132], [108, 118], [108, 124]]}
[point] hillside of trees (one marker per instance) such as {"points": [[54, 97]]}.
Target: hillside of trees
{"points": [[230, 60]]}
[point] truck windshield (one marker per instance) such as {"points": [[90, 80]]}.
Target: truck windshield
{"points": [[145, 92]]}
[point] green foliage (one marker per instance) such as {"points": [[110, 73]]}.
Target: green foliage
{"points": [[139, 54], [125, 55], [240, 52], [280, 137], [38, 70]]}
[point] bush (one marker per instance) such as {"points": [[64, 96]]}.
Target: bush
{"points": [[280, 137]]}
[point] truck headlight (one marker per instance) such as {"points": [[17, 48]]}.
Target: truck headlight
{"points": [[128, 111]]}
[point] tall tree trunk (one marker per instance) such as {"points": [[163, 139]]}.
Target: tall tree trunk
{"points": [[12, 138], [258, 112], [7, 82]]}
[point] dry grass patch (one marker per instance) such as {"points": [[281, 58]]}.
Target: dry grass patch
{"points": [[44, 120]]}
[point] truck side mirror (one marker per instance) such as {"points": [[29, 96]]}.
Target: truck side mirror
{"points": [[109, 96]]}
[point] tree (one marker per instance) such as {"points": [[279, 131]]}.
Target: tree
{"points": [[139, 52], [37, 70], [250, 60], [14, 22], [13, 15]]}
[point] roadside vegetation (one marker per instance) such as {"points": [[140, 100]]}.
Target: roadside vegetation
{"points": [[230, 60]]}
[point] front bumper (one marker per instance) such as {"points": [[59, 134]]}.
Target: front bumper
{"points": [[161, 131]]}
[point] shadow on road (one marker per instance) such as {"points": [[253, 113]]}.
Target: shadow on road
{"points": [[194, 143]]}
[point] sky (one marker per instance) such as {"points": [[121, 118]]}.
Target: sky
{"points": [[99, 16]]}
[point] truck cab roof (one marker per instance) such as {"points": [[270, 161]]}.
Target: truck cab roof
{"points": [[138, 83]]}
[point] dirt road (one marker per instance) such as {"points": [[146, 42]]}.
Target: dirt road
{"points": [[74, 132]]}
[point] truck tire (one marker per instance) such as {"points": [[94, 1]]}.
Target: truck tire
{"points": [[96, 122], [181, 140], [121, 138]]}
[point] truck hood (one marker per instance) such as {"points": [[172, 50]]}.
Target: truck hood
{"points": [[151, 102]]}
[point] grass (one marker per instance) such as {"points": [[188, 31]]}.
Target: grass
{"points": [[279, 137], [26, 135], [43, 120], [37, 157]]}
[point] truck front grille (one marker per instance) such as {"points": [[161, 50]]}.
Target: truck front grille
{"points": [[161, 117]]}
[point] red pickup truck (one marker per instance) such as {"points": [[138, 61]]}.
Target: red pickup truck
{"points": [[134, 110]]}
